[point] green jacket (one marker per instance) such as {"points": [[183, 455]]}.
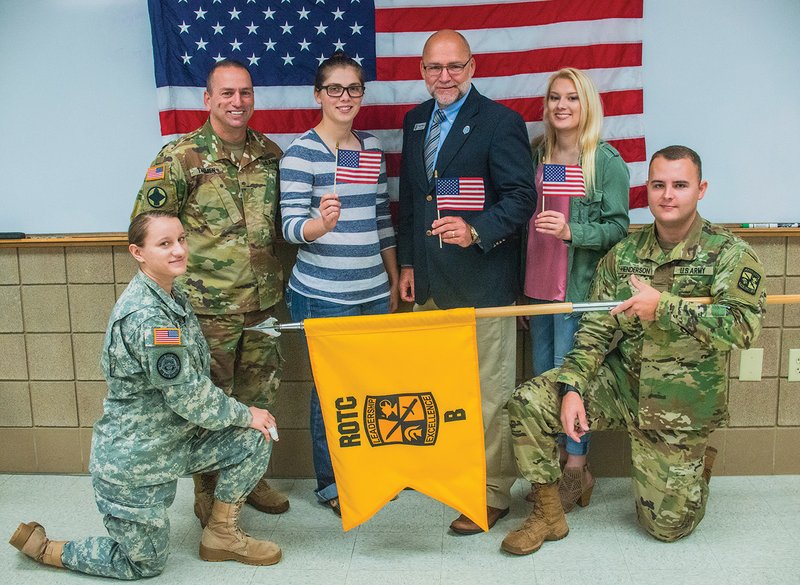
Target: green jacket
{"points": [[159, 394], [597, 221], [228, 211], [679, 360]]}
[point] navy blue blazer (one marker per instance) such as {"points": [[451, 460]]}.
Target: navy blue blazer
{"points": [[490, 141]]}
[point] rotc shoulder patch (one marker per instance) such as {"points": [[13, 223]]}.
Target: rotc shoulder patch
{"points": [[166, 336], [155, 173], [749, 280], [168, 366]]}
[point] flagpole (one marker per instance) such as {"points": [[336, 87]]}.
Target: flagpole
{"points": [[271, 326], [589, 306], [336, 167], [438, 211]]}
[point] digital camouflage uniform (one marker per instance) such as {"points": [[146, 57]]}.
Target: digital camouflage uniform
{"points": [[233, 278], [665, 382], [162, 418]]}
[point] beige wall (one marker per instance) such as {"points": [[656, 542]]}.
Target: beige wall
{"points": [[54, 303]]}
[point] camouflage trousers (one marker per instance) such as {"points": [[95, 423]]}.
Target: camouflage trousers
{"points": [[667, 465], [136, 518], [245, 364]]}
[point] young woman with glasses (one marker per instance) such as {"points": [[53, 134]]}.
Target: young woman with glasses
{"points": [[346, 264], [567, 236]]}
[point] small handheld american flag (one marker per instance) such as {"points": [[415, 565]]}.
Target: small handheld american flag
{"points": [[460, 193], [358, 166], [563, 181]]}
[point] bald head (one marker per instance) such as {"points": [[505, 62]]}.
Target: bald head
{"points": [[447, 37], [447, 66]]}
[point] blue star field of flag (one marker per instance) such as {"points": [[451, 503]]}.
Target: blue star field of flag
{"points": [[447, 187], [348, 158], [282, 42], [555, 173]]}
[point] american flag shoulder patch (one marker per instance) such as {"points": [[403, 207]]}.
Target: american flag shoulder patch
{"points": [[155, 173], [166, 336]]}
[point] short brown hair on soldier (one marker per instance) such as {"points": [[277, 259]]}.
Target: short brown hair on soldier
{"points": [[137, 231]]}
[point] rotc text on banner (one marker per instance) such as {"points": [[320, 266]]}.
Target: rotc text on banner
{"points": [[517, 44], [400, 398]]}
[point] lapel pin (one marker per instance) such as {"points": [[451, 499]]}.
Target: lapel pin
{"points": [[466, 130], [420, 126]]}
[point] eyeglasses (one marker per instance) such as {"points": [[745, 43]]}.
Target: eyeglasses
{"points": [[354, 91], [452, 69]]}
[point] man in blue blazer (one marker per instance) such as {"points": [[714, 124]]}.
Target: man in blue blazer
{"points": [[460, 249]]}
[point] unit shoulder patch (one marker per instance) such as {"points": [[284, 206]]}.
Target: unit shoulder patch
{"points": [[156, 197], [169, 366]]}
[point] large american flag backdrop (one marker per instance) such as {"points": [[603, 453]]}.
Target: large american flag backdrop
{"points": [[517, 45]]}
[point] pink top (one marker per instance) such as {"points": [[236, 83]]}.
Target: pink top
{"points": [[546, 257]]}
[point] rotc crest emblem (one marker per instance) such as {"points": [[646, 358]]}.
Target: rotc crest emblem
{"points": [[749, 280], [401, 419]]}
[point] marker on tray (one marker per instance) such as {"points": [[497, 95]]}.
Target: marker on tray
{"points": [[771, 225]]}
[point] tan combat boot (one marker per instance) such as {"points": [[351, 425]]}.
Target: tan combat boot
{"points": [[545, 522], [267, 499], [708, 463], [204, 485], [31, 539], [223, 540]]}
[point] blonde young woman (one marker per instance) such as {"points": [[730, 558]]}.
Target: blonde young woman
{"points": [[568, 236]]}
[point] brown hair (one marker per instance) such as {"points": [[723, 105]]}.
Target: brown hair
{"points": [[137, 231], [336, 60], [225, 63], [678, 152]]}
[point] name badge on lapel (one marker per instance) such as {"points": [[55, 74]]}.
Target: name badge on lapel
{"points": [[419, 126]]}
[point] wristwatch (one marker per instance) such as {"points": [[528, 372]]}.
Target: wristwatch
{"points": [[476, 239]]}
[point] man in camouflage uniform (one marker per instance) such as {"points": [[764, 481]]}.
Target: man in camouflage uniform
{"points": [[162, 418], [665, 382], [222, 181]]}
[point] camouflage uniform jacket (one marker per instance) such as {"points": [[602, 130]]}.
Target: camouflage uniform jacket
{"points": [[679, 359], [228, 211], [159, 394]]}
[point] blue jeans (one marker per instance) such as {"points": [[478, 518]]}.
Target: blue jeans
{"points": [[300, 308], [553, 337]]}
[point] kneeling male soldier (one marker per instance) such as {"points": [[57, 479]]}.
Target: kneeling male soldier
{"points": [[665, 381]]}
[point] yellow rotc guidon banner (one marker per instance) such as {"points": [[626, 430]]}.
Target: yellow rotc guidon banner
{"points": [[400, 397]]}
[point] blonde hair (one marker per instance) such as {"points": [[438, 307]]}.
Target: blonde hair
{"points": [[589, 126]]}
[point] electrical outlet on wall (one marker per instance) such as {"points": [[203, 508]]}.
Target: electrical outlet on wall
{"points": [[750, 363], [794, 365]]}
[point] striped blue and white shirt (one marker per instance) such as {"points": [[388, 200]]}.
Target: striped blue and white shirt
{"points": [[344, 265]]}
